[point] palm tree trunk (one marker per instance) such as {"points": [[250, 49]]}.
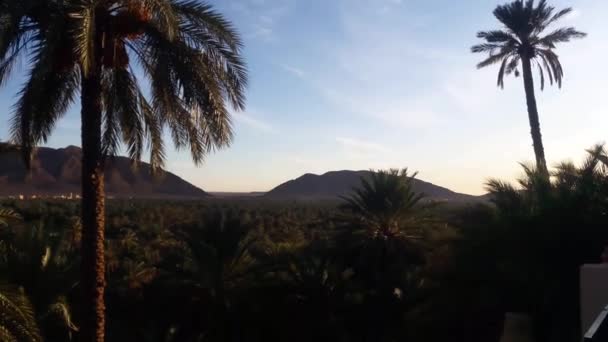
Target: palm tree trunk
{"points": [[537, 141], [93, 212]]}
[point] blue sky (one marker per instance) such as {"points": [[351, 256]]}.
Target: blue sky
{"points": [[360, 84]]}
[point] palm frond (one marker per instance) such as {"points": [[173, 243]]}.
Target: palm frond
{"points": [[124, 97], [17, 315], [44, 98], [7, 216], [189, 90], [384, 202], [561, 35], [164, 17], [557, 16], [154, 129], [61, 313], [541, 74], [501, 73], [209, 24], [512, 65], [84, 34], [497, 36], [553, 64], [499, 57], [12, 55], [489, 48]]}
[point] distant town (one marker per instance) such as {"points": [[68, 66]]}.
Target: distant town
{"points": [[70, 196]]}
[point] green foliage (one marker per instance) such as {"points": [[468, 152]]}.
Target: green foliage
{"points": [[17, 322], [44, 263]]}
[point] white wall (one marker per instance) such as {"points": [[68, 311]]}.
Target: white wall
{"points": [[594, 293]]}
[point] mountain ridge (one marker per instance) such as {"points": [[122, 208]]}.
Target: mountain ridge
{"points": [[58, 172], [334, 184]]}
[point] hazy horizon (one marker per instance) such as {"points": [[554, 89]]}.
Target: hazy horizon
{"points": [[361, 84]]}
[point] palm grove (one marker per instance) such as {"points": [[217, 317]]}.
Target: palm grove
{"points": [[382, 267]]}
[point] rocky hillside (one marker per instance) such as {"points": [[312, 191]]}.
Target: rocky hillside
{"points": [[57, 172]]}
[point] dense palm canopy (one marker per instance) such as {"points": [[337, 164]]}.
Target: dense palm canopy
{"points": [[525, 36], [548, 228], [44, 263], [189, 54]]}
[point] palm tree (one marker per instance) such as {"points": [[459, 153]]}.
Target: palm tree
{"points": [[191, 57], [219, 263], [389, 228], [523, 40], [386, 204]]}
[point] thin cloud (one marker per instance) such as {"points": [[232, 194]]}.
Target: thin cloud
{"points": [[388, 5], [293, 70], [397, 112], [304, 161], [69, 124], [359, 147], [266, 16], [252, 122], [262, 32]]}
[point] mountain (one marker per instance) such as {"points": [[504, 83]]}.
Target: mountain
{"points": [[57, 172], [339, 183]]}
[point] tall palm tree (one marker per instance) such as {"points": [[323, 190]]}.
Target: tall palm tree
{"points": [[189, 54], [524, 40]]}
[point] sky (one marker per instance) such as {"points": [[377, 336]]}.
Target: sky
{"points": [[370, 84]]}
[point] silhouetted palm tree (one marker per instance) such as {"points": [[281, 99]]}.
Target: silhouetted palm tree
{"points": [[386, 204], [523, 40], [389, 227], [189, 53]]}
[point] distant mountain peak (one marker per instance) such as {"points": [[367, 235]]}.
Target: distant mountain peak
{"points": [[71, 149], [333, 184]]}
